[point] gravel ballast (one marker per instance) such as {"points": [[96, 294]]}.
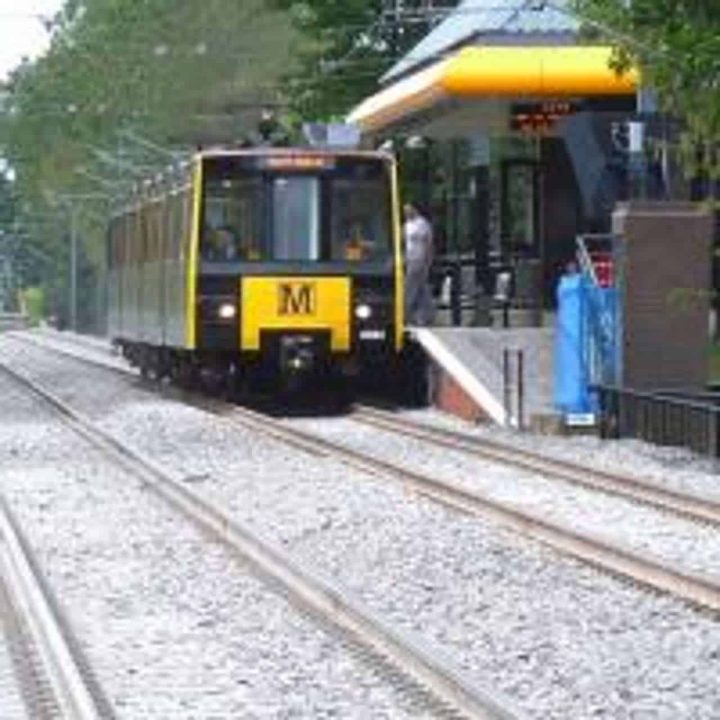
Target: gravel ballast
{"points": [[693, 547], [173, 624], [672, 467], [12, 703], [562, 639]]}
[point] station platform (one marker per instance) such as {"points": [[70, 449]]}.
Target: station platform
{"points": [[468, 377]]}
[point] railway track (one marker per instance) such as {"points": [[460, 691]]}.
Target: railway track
{"points": [[612, 557], [53, 678], [640, 568], [651, 494], [424, 668], [680, 504]]}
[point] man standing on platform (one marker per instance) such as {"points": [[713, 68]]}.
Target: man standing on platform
{"points": [[419, 308]]}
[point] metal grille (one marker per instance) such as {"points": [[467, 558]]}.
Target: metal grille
{"points": [[661, 418]]}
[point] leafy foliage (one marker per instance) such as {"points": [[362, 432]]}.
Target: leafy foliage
{"points": [[178, 73], [344, 47], [677, 45]]}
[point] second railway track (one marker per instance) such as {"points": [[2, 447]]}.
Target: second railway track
{"points": [[682, 504], [53, 676], [692, 507], [643, 568], [424, 667]]}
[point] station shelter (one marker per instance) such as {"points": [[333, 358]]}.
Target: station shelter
{"points": [[509, 126]]}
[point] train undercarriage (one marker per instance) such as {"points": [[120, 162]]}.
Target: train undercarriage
{"points": [[288, 366]]}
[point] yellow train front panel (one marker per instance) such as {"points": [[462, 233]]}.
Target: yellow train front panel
{"points": [[295, 304]]}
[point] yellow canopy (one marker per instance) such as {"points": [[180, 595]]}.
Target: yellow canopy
{"points": [[499, 73]]}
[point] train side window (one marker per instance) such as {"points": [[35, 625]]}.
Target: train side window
{"points": [[162, 229], [158, 244], [113, 242], [170, 228], [118, 244], [132, 236], [167, 232], [187, 224], [122, 242], [176, 213], [144, 243]]}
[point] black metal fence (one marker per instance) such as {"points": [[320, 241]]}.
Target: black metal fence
{"points": [[664, 418]]}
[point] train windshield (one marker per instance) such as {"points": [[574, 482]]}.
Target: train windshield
{"points": [[359, 201], [256, 210], [233, 219], [296, 218]]}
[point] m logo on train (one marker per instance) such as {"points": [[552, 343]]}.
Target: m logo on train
{"points": [[296, 299]]}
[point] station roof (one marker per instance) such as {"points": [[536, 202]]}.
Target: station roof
{"points": [[497, 76], [490, 22]]}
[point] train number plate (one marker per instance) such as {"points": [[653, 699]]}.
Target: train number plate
{"points": [[297, 298]]}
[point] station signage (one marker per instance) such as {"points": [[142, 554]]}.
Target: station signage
{"points": [[541, 117]]}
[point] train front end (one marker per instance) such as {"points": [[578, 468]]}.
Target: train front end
{"points": [[299, 262]]}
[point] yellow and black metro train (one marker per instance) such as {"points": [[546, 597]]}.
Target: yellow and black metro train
{"points": [[261, 263]]}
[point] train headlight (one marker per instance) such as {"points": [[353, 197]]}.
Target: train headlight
{"points": [[227, 311], [363, 312]]}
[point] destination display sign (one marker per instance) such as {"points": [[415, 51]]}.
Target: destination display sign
{"points": [[540, 117]]}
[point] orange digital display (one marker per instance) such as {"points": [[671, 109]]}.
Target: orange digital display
{"points": [[298, 162], [540, 117]]}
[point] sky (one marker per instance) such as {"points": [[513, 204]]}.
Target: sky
{"points": [[21, 32]]}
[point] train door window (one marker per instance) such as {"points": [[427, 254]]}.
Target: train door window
{"points": [[296, 218]]}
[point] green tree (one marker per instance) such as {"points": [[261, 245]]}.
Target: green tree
{"points": [[179, 74], [676, 43], [344, 48]]}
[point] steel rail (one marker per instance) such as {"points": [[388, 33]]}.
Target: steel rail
{"points": [[651, 572], [685, 505], [75, 697], [424, 664], [697, 589]]}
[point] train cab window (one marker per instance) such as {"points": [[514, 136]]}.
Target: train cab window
{"points": [[233, 220], [360, 219], [296, 218]]}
